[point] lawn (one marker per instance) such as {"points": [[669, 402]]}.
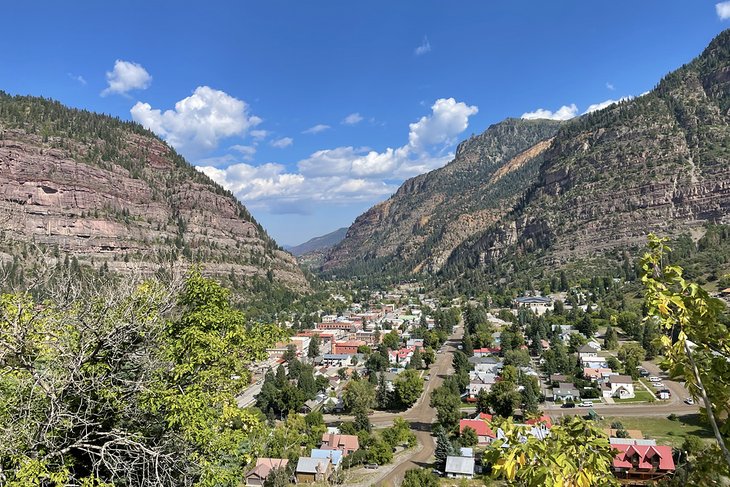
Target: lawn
{"points": [[664, 430], [640, 395]]}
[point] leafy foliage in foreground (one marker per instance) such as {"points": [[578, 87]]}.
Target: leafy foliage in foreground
{"points": [[129, 386], [575, 454]]}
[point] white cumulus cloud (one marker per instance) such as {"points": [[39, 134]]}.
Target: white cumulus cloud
{"points": [[352, 119], [448, 119], [197, 122], [610, 86], [723, 10], [346, 175], [566, 112], [259, 134], [600, 106], [320, 127], [282, 142], [126, 76], [423, 48]]}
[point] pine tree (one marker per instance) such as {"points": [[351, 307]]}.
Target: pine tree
{"points": [[444, 448], [416, 360]]}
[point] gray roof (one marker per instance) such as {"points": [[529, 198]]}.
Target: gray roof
{"points": [[335, 356], [586, 349], [484, 360], [312, 465], [533, 300], [621, 379], [462, 465], [631, 441]]}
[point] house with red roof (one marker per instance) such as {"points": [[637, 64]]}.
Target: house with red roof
{"points": [[345, 443], [481, 427], [544, 419], [264, 466], [642, 462], [401, 357]]}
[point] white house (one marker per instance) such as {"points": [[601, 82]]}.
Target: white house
{"points": [[621, 386], [459, 467], [586, 351]]}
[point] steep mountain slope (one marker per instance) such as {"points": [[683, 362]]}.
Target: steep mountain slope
{"points": [[660, 163], [318, 244], [418, 227], [112, 194]]}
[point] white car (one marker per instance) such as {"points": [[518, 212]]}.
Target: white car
{"points": [[689, 401], [658, 384], [585, 404], [654, 379]]}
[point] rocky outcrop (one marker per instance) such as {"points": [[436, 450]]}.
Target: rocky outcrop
{"points": [[658, 163], [124, 199], [430, 215]]}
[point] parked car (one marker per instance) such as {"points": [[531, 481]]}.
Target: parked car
{"points": [[658, 384], [428, 377], [568, 405], [643, 373], [585, 404], [654, 379], [372, 466], [689, 401]]}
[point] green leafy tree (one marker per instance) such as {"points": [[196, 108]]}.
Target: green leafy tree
{"points": [[504, 398], [483, 403], [468, 437], [575, 454], [697, 342], [408, 387], [448, 407], [429, 356], [416, 360], [359, 396], [380, 452], [631, 355], [419, 477], [610, 338]]}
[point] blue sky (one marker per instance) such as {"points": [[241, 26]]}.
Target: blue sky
{"points": [[311, 112]]}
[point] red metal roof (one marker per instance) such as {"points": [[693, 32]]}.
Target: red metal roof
{"points": [[479, 425], [645, 454]]}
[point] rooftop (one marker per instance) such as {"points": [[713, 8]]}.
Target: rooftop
{"points": [[460, 465]]}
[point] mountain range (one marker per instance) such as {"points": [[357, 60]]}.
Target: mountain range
{"points": [[560, 192], [111, 194]]}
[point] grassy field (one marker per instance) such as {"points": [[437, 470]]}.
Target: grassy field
{"points": [[664, 430]]}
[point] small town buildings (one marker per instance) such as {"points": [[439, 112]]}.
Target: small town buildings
{"points": [[487, 365], [479, 381], [349, 347], [335, 360], [486, 351], [599, 374], [335, 456], [534, 303], [482, 429], [310, 470], [586, 351], [621, 386], [594, 362], [642, 462], [565, 392], [401, 357], [264, 466], [459, 467], [544, 419], [345, 443]]}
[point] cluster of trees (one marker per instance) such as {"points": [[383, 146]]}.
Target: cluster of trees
{"points": [[282, 393], [128, 384]]}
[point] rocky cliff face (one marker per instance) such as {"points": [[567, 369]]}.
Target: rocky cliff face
{"points": [[430, 215], [658, 163], [109, 192]]}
